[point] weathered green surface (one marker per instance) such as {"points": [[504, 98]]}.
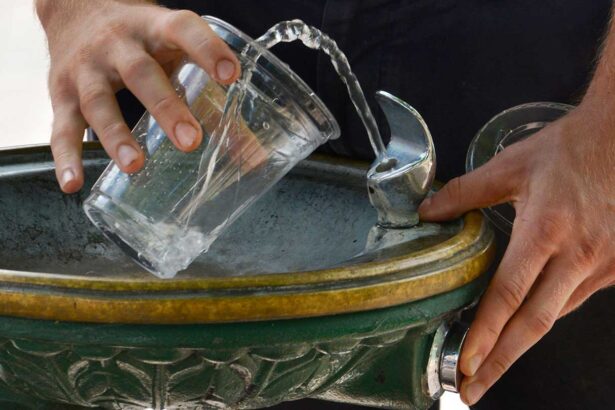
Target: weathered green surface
{"points": [[375, 358]]}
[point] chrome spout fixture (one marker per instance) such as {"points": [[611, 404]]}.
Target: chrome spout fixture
{"points": [[399, 180]]}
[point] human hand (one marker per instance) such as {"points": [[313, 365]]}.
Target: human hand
{"points": [[562, 248], [100, 46]]}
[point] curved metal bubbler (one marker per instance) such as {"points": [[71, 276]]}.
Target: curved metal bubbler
{"points": [[398, 181], [402, 176]]}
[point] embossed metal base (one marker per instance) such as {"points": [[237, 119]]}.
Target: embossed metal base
{"points": [[375, 358]]}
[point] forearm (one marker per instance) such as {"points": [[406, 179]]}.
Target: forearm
{"points": [[602, 85]]}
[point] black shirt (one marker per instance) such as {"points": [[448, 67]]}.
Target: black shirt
{"points": [[458, 62]]}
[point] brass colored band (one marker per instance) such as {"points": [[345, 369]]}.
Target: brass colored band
{"points": [[75, 299], [470, 233]]}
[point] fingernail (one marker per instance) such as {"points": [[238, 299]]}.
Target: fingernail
{"points": [[473, 393], [225, 69], [186, 134], [126, 155], [474, 364], [67, 176]]}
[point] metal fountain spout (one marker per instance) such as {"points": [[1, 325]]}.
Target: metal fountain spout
{"points": [[399, 180]]}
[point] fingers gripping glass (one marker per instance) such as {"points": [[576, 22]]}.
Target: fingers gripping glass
{"points": [[167, 214]]}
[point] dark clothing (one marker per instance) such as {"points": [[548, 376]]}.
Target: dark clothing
{"points": [[459, 62], [571, 368]]}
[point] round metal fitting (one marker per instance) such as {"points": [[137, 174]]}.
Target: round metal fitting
{"points": [[443, 372], [450, 375]]}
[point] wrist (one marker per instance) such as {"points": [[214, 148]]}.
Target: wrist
{"points": [[45, 9], [601, 90], [596, 111], [51, 11], [48, 9], [599, 99]]}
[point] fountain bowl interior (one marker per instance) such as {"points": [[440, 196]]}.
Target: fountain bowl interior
{"points": [[279, 309]]}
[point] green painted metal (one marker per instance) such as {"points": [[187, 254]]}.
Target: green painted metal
{"points": [[372, 358]]}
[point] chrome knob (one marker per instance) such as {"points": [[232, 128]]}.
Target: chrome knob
{"points": [[443, 372], [450, 375]]}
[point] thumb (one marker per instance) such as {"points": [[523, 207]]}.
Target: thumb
{"points": [[491, 184]]}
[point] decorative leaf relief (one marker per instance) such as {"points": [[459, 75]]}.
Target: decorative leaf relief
{"points": [[126, 378]]}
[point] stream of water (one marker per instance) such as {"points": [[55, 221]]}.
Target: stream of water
{"points": [[205, 189], [311, 37]]}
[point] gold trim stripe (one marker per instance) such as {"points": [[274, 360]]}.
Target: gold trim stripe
{"points": [[471, 232], [243, 308], [175, 309]]}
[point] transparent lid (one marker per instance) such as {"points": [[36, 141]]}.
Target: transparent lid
{"points": [[506, 128]]}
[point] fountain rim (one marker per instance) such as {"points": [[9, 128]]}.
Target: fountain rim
{"points": [[364, 286]]}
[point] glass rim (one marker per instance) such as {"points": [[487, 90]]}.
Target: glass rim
{"points": [[319, 114]]}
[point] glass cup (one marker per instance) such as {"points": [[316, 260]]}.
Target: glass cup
{"points": [[171, 211], [507, 128]]}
